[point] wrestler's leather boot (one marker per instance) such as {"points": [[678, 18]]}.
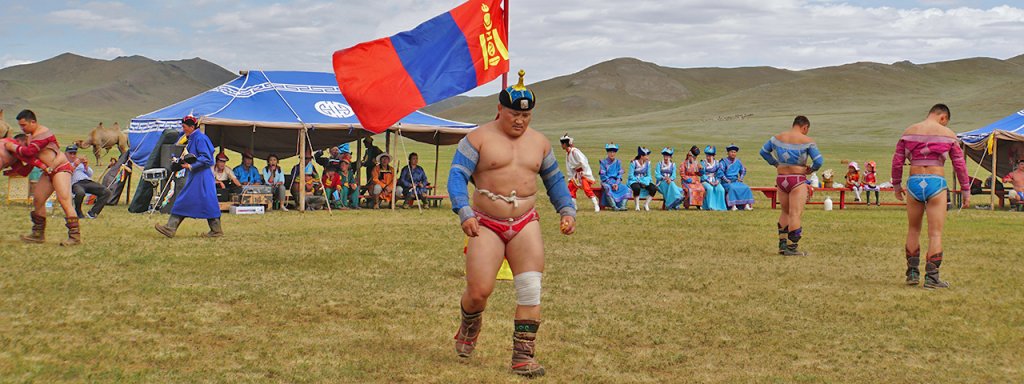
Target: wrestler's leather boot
{"points": [[792, 247], [524, 349], [783, 236], [215, 230], [469, 331], [171, 227], [931, 272], [913, 261], [38, 234], [74, 232]]}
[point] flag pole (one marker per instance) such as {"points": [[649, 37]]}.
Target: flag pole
{"points": [[508, 34]]}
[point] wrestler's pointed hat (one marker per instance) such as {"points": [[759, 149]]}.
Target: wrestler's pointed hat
{"points": [[518, 97]]}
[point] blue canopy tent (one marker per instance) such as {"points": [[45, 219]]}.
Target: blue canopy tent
{"points": [[1007, 137], [262, 112], [282, 112]]}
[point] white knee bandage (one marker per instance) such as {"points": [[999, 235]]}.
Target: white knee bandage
{"points": [[527, 288]]}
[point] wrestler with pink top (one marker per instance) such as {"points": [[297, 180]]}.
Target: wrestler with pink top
{"points": [[927, 145]]}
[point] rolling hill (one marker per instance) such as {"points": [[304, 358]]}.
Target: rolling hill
{"points": [[72, 93], [628, 98]]}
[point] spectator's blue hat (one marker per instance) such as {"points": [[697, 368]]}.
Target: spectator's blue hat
{"points": [[668, 151], [641, 151], [710, 150], [611, 147], [732, 147], [518, 97], [71, 149], [344, 148]]}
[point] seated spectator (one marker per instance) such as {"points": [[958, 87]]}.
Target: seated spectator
{"points": [[349, 185], [82, 184], [227, 183], [333, 154], [691, 179], [246, 173], [314, 190], [1017, 179], [714, 192], [412, 182], [332, 183], [274, 177], [381, 179], [853, 179], [665, 175], [737, 193]]}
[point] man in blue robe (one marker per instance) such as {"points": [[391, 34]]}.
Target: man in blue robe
{"points": [[614, 191], [198, 198], [413, 181], [737, 194]]}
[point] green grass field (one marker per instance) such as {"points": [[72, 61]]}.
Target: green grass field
{"points": [[372, 296]]}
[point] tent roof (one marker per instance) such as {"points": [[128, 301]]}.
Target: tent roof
{"points": [[279, 103], [1008, 128]]}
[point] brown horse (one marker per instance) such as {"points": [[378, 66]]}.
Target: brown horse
{"points": [[5, 129], [105, 138]]}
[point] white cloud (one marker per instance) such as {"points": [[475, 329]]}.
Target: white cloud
{"points": [[552, 38], [6, 61], [109, 53]]}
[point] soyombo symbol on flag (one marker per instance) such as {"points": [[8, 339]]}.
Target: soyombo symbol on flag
{"points": [[386, 79]]}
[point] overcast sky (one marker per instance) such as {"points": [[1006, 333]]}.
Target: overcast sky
{"points": [[548, 37]]}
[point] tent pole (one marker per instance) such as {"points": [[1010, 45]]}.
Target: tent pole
{"points": [[504, 76], [995, 150], [387, 142], [301, 174], [359, 162], [437, 160]]}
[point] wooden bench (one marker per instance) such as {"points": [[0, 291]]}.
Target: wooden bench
{"points": [[772, 194], [598, 191]]}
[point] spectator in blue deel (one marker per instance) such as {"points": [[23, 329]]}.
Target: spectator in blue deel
{"points": [[247, 174], [413, 181]]}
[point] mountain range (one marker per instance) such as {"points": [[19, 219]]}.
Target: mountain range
{"points": [[74, 93]]}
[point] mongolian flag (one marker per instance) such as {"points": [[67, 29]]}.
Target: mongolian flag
{"points": [[386, 79]]}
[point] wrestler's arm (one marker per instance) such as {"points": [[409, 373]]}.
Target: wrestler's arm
{"points": [[558, 190], [898, 159], [960, 169], [766, 153], [817, 160], [463, 166]]}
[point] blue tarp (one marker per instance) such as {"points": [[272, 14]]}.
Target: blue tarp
{"points": [[1009, 142], [262, 112]]}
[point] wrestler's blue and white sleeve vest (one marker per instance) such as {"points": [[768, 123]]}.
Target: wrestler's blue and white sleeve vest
{"points": [[464, 164], [558, 190]]}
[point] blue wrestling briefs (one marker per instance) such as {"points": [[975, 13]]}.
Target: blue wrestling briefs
{"points": [[924, 187]]}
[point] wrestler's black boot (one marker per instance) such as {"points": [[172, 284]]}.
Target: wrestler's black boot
{"points": [[931, 274], [215, 229], [913, 261], [524, 348], [74, 232], [38, 234], [794, 242], [783, 236], [171, 227], [469, 331]]}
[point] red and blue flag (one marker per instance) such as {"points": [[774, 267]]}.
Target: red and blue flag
{"points": [[386, 79]]}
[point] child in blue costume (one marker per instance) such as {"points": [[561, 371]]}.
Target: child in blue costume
{"points": [[714, 193], [614, 192]]}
